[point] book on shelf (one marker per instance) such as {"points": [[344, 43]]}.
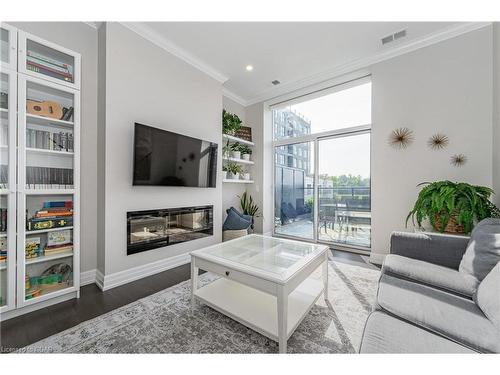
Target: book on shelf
{"points": [[42, 224], [51, 250], [3, 219], [53, 217], [48, 60], [49, 204], [52, 68], [49, 178], [49, 73], [59, 238], [44, 140], [32, 248]]}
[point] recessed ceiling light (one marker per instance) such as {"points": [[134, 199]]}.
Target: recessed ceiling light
{"points": [[249, 68]]}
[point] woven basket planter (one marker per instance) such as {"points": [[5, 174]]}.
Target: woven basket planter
{"points": [[451, 227], [232, 234]]}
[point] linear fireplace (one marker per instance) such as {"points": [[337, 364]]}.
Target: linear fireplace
{"points": [[152, 229]]}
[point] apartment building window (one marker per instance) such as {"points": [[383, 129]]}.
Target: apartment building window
{"points": [[328, 144]]}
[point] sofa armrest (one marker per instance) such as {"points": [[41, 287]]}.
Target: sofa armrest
{"points": [[442, 250]]}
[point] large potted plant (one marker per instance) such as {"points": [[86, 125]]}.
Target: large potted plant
{"points": [[453, 207], [249, 207]]}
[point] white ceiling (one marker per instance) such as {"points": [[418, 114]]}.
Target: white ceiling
{"points": [[296, 54]]}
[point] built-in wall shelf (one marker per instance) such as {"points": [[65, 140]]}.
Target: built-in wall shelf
{"points": [[51, 152], [49, 191], [28, 232], [228, 180], [240, 161], [45, 258], [40, 120], [236, 139]]}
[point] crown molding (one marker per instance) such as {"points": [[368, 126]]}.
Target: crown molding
{"points": [[159, 40], [94, 25], [235, 98], [363, 63]]}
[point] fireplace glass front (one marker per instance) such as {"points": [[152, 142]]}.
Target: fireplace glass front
{"points": [[152, 229]]}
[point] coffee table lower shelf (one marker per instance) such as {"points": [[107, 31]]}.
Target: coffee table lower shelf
{"points": [[258, 310]]}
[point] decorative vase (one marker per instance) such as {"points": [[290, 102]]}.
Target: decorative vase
{"points": [[233, 176], [224, 175], [236, 154], [246, 157], [245, 176]]}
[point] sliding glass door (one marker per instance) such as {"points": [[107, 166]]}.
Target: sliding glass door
{"points": [[344, 203], [322, 167]]}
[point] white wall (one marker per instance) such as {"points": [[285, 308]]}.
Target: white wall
{"points": [[496, 112], [445, 87], [81, 38], [230, 191], [146, 84], [262, 190]]}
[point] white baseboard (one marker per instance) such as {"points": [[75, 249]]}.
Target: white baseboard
{"points": [[99, 279], [377, 258], [88, 277], [106, 282]]}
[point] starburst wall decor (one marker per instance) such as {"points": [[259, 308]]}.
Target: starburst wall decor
{"points": [[458, 160], [401, 138], [438, 141]]}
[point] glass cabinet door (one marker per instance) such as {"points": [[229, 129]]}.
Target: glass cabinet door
{"points": [[48, 137], [8, 46], [42, 59], [7, 188]]}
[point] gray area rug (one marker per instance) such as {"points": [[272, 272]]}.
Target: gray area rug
{"points": [[164, 323]]}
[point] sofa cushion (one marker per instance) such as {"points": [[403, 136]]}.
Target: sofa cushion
{"points": [[488, 296], [235, 222], [483, 251], [456, 318], [430, 274], [246, 217], [387, 334]]}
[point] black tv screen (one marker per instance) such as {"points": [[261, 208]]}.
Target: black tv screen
{"points": [[169, 159]]}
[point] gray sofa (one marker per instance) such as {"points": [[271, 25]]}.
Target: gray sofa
{"points": [[438, 294]]}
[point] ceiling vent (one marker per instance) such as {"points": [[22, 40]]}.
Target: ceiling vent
{"points": [[393, 37], [275, 82]]}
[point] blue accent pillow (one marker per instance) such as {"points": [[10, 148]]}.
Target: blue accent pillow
{"points": [[235, 222], [246, 217]]}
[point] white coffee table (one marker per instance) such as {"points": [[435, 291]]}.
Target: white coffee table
{"points": [[265, 283]]}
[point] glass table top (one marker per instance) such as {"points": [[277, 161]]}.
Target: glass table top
{"points": [[269, 254]]}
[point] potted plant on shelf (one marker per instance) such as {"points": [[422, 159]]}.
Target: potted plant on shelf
{"points": [[246, 151], [452, 207], [234, 170], [224, 172], [245, 175], [230, 123], [236, 150]]}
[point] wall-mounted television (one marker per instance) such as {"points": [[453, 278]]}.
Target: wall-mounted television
{"points": [[164, 158]]}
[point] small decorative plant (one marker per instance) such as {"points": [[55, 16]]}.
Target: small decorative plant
{"points": [[234, 169], [226, 149], [230, 122], [453, 207], [236, 150], [248, 206], [245, 151]]}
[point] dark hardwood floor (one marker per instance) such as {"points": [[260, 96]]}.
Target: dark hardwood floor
{"points": [[24, 330]]}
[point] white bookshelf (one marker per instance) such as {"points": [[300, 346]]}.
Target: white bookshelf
{"points": [[57, 177]]}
